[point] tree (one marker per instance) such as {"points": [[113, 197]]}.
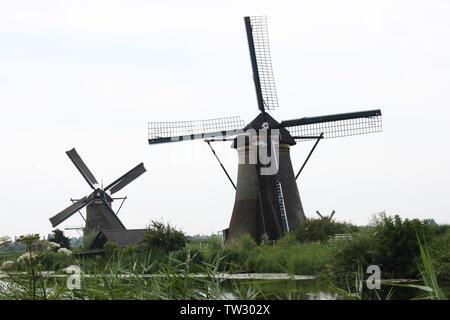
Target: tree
{"points": [[163, 236], [59, 238]]}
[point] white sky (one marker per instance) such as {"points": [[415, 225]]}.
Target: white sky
{"points": [[91, 74]]}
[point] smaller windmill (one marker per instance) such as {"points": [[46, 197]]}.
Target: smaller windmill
{"points": [[99, 213], [323, 217]]}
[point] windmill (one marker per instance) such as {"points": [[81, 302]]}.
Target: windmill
{"points": [[99, 213], [265, 203]]}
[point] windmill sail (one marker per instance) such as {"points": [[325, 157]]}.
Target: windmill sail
{"points": [[163, 132], [69, 211], [126, 178], [81, 166], [258, 44], [336, 125]]}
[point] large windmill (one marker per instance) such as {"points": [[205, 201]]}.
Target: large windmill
{"points": [[265, 203], [99, 214]]}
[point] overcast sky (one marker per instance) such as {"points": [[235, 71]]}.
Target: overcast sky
{"points": [[91, 74]]}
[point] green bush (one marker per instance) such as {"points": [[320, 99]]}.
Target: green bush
{"points": [[289, 239], [440, 252], [51, 260], [88, 239], [110, 247], [321, 229], [390, 243], [291, 257], [163, 236], [245, 242], [59, 238], [397, 245], [193, 257], [349, 254]]}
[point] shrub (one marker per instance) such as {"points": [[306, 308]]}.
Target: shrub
{"points": [[358, 251], [232, 258], [51, 260], [59, 238], [193, 258], [110, 247], [440, 251], [397, 244], [289, 239], [321, 229], [130, 250], [245, 242], [163, 236], [88, 239], [390, 243]]}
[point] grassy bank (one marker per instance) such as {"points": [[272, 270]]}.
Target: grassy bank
{"points": [[401, 248]]}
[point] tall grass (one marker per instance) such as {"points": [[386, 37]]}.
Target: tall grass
{"points": [[430, 288]]}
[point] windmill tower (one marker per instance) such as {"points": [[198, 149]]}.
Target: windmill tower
{"points": [[99, 213], [265, 203]]}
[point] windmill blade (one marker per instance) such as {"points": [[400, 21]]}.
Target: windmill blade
{"points": [[70, 210], [81, 166], [126, 178], [163, 132], [335, 125], [258, 44], [332, 214], [319, 214]]}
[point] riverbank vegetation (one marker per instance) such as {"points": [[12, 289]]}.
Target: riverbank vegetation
{"points": [[167, 263]]}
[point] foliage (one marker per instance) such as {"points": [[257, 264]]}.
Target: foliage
{"points": [[440, 250], [289, 239], [351, 253], [110, 247], [300, 259], [88, 239], [51, 260], [163, 236], [245, 242], [59, 238], [428, 273], [33, 283], [133, 273], [430, 287], [397, 245], [287, 256], [194, 256], [390, 243], [321, 229]]}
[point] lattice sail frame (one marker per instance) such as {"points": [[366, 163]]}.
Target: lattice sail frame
{"points": [[161, 132], [313, 127], [261, 48]]}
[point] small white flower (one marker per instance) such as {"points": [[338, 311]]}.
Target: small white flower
{"points": [[64, 251], [29, 238], [26, 257], [50, 244], [7, 265], [5, 240]]}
